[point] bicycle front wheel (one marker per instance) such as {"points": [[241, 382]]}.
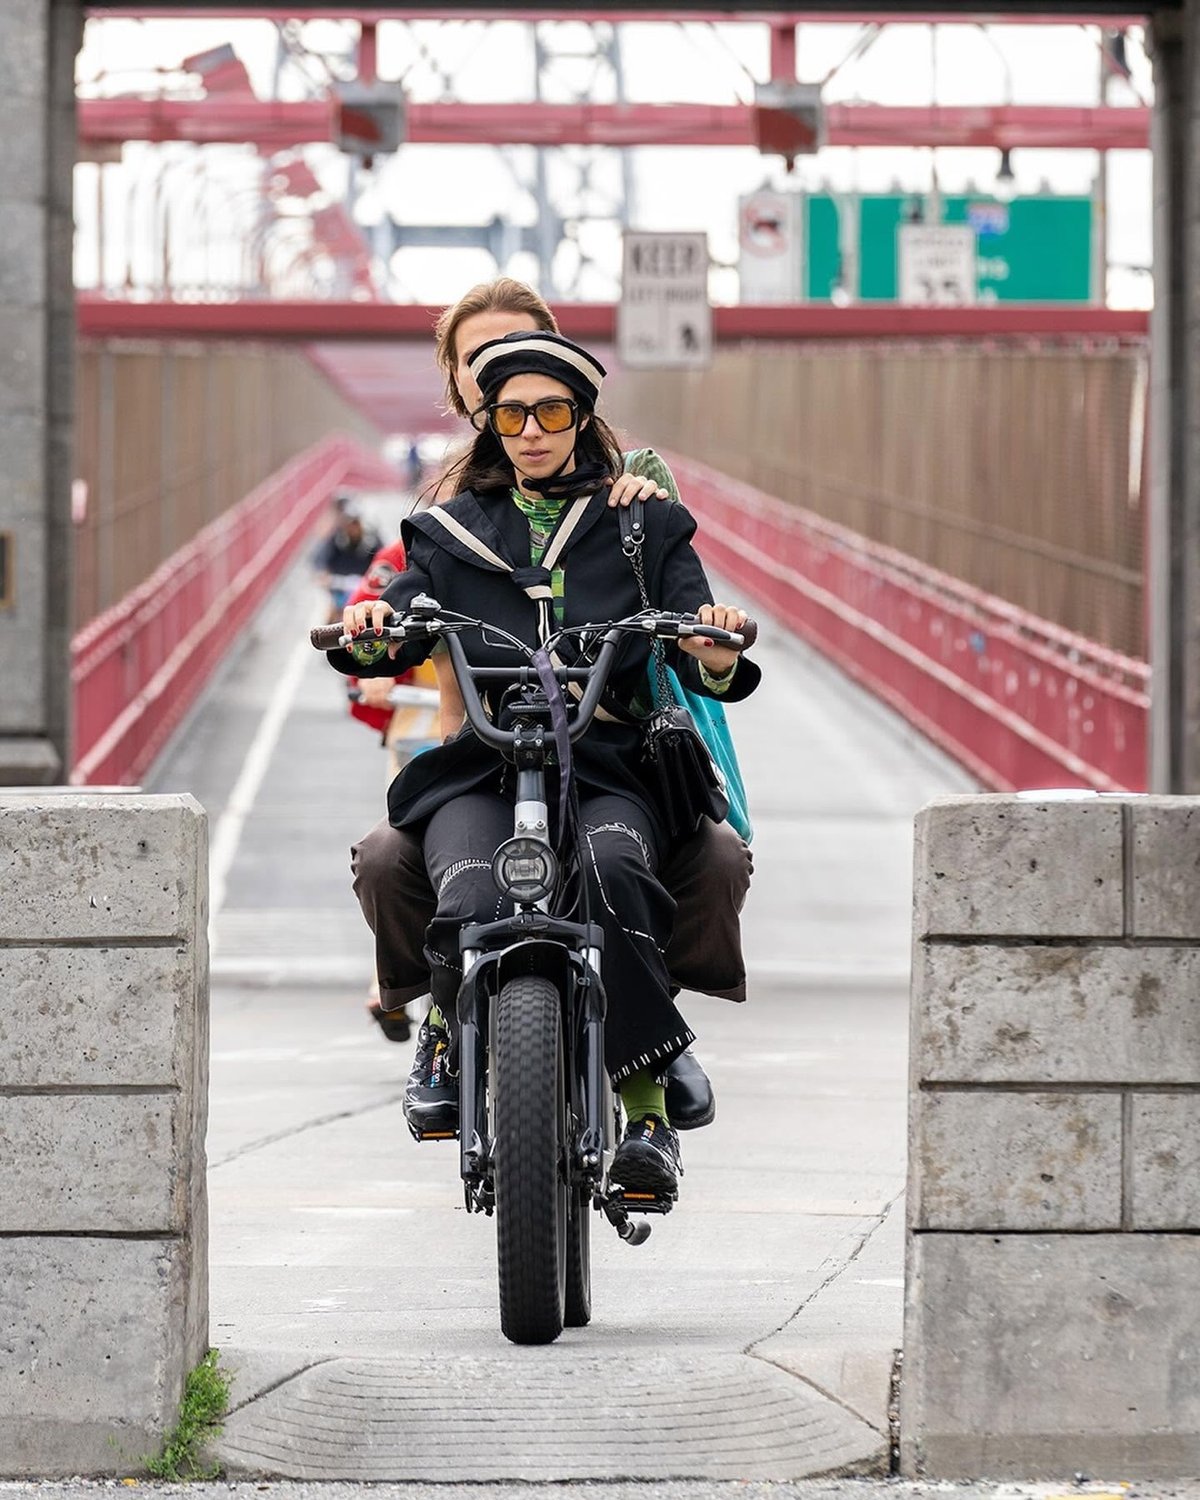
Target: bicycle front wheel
{"points": [[529, 1143]]}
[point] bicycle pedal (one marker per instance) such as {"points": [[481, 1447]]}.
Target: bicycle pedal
{"points": [[432, 1135], [643, 1203]]}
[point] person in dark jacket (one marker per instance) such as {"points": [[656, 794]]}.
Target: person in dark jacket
{"points": [[534, 484], [343, 557], [708, 875]]}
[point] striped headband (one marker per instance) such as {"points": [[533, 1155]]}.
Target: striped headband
{"points": [[537, 354]]}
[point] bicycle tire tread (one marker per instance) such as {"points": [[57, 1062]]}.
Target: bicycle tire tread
{"points": [[526, 1073]]}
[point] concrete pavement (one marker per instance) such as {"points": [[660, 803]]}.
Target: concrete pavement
{"points": [[752, 1337]]}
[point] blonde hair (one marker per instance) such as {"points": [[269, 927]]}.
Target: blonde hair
{"points": [[504, 295]]}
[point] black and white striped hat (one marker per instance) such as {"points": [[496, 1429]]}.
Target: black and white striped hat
{"points": [[537, 354]]}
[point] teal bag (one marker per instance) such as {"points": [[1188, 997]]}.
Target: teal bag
{"points": [[708, 715]]}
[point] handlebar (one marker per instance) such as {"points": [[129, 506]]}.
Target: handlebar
{"points": [[428, 621], [331, 637]]}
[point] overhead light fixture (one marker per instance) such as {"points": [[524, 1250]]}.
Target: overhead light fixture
{"points": [[1006, 182]]}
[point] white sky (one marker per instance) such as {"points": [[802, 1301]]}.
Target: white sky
{"points": [[680, 188]]}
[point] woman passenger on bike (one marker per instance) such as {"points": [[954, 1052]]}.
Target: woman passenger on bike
{"points": [[541, 447], [708, 875]]}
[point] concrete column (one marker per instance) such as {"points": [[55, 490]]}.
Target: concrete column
{"points": [[103, 1104], [1052, 1317], [1173, 560], [38, 43]]}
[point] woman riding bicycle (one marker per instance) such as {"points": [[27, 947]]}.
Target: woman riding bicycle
{"points": [[540, 448], [708, 875]]}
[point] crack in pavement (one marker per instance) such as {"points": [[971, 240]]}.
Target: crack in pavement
{"points": [[276, 1385], [752, 1349], [305, 1125]]}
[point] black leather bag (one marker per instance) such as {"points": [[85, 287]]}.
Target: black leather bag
{"points": [[684, 781]]}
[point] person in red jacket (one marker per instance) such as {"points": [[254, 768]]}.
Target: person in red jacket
{"points": [[372, 708]]}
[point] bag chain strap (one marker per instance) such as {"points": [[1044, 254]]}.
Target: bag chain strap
{"points": [[631, 544]]}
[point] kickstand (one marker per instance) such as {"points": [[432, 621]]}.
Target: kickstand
{"points": [[631, 1233]]}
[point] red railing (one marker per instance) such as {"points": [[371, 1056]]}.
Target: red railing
{"points": [[137, 668], [1018, 701]]}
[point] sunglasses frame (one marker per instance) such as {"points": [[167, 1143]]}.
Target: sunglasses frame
{"points": [[487, 413]]}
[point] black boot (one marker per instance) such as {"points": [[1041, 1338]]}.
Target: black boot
{"points": [[690, 1101]]}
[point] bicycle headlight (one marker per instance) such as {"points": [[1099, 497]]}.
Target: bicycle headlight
{"points": [[525, 869]]}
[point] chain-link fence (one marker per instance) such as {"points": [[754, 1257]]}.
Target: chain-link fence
{"points": [[1019, 470], [169, 437]]}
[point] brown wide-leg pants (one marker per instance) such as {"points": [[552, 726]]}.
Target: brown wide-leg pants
{"points": [[708, 877]]}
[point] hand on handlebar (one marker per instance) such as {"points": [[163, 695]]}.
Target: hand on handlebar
{"points": [[717, 659], [370, 615]]}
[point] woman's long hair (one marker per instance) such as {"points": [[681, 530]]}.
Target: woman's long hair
{"points": [[506, 295], [486, 466]]}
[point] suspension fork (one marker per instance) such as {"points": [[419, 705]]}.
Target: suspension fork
{"points": [[591, 1066], [475, 1147]]}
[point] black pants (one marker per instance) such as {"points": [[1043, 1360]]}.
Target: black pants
{"points": [[708, 876], [619, 858]]}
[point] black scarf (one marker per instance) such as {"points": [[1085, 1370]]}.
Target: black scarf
{"points": [[584, 479]]}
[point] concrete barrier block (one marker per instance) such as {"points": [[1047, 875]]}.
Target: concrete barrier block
{"points": [[103, 1107], [98, 1017], [92, 1163], [24, 49], [1164, 1151], [1055, 1014], [1165, 839], [96, 1339], [23, 223], [1030, 1356], [22, 347], [1017, 867], [1016, 1161], [80, 867]]}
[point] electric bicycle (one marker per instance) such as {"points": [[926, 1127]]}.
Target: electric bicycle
{"points": [[537, 1118]]}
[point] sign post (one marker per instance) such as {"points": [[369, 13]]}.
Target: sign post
{"points": [[664, 320]]}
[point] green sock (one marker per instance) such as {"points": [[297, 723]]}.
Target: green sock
{"points": [[642, 1095]]}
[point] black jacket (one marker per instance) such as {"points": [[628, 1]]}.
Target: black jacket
{"points": [[598, 585]]}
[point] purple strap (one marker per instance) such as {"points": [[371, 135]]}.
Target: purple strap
{"points": [[562, 734]]}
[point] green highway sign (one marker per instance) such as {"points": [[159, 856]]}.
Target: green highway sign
{"points": [[1035, 249]]}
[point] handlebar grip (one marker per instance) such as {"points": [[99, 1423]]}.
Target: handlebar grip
{"points": [[326, 637], [749, 634]]}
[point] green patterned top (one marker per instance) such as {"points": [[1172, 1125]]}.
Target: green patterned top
{"points": [[542, 516]]}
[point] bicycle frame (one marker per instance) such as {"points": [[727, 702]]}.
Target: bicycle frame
{"points": [[531, 941]]}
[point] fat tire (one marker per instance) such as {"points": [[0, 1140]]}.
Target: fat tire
{"points": [[532, 1210]]}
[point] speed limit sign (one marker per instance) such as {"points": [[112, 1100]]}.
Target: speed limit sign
{"points": [[937, 265]]}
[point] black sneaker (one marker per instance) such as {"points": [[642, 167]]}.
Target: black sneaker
{"points": [[431, 1098], [647, 1160], [394, 1024]]}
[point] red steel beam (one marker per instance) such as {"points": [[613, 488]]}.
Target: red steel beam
{"points": [[725, 14], [99, 317], [273, 125]]}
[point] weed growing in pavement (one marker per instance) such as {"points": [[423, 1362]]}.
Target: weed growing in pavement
{"points": [[205, 1402]]}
